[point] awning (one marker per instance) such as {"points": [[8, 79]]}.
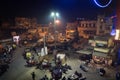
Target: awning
{"points": [[84, 52], [101, 42], [100, 54], [104, 50]]}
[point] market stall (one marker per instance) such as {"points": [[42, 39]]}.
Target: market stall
{"points": [[62, 57]]}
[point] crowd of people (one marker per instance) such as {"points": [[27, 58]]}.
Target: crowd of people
{"points": [[58, 70], [6, 55], [75, 76]]}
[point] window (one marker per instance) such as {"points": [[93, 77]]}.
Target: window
{"points": [[100, 26], [94, 25], [86, 25], [89, 25]]}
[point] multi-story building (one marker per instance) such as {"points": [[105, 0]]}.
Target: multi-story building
{"points": [[5, 25], [21, 22], [90, 28], [70, 30], [87, 28], [42, 30], [103, 49], [1, 33], [103, 25], [117, 36]]}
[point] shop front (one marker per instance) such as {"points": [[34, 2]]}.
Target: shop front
{"points": [[102, 58], [85, 54], [99, 57], [62, 58]]}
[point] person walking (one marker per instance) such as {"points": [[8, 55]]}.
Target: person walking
{"points": [[33, 75], [64, 78], [102, 71], [45, 77], [118, 76]]}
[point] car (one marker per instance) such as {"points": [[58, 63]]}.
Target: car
{"points": [[84, 68]]}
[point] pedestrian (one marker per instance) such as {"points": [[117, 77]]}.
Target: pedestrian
{"points": [[118, 76], [45, 77], [69, 78], [5, 55], [102, 71], [33, 75], [64, 78]]}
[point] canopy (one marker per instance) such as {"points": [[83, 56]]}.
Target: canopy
{"points": [[100, 54], [84, 52]]}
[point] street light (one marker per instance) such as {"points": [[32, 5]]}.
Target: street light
{"points": [[57, 22], [55, 15]]}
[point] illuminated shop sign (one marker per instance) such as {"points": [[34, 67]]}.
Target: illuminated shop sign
{"points": [[117, 36]]}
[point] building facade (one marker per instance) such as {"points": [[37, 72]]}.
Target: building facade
{"points": [[103, 25], [70, 30], [90, 28], [26, 23], [103, 50], [87, 28]]}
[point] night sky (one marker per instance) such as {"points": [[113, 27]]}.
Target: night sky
{"points": [[41, 9]]}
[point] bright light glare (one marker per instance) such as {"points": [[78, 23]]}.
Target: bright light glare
{"points": [[57, 14], [57, 21], [117, 35], [52, 14], [113, 32]]}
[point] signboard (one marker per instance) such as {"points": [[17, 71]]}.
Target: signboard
{"points": [[117, 36], [16, 39]]}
